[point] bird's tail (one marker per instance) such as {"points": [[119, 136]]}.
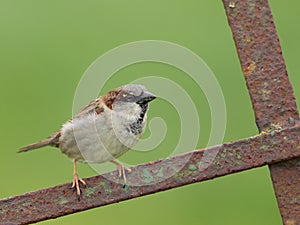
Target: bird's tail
{"points": [[36, 145], [52, 141]]}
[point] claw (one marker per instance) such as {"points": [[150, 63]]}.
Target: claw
{"points": [[76, 180], [121, 169]]}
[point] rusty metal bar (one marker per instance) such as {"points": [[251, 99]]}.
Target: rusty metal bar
{"points": [[266, 148], [271, 92], [276, 114]]}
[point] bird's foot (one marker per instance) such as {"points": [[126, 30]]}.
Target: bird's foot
{"points": [[76, 179], [121, 169], [75, 183]]}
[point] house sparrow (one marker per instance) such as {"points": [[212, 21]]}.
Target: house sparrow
{"points": [[103, 130]]}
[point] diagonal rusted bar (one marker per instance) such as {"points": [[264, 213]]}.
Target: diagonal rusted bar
{"points": [[271, 92], [241, 155]]}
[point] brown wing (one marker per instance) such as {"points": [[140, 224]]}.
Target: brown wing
{"points": [[94, 106], [98, 104]]}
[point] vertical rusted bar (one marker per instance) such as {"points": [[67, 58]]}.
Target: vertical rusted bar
{"points": [[286, 180], [271, 92]]}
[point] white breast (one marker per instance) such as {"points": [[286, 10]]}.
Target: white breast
{"points": [[98, 138]]}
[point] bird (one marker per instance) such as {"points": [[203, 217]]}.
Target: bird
{"points": [[103, 130]]}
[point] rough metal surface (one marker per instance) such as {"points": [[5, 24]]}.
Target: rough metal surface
{"points": [[286, 179], [271, 92], [187, 168], [262, 63]]}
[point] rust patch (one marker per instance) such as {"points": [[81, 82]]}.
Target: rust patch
{"points": [[248, 71]]}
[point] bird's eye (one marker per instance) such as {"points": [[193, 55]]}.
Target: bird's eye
{"points": [[128, 97]]}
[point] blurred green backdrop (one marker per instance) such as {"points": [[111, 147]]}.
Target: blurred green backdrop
{"points": [[47, 45]]}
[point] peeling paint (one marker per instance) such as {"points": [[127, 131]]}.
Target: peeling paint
{"points": [[63, 201], [192, 167], [231, 5], [148, 178], [126, 187], [160, 173], [89, 191]]}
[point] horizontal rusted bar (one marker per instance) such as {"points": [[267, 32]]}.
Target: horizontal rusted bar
{"points": [[271, 92], [195, 166]]}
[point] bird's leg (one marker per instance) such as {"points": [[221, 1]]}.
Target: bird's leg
{"points": [[76, 179], [121, 168]]}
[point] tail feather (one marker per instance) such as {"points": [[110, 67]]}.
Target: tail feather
{"points": [[36, 145], [52, 141]]}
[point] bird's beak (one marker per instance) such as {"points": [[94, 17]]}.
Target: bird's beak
{"points": [[146, 97]]}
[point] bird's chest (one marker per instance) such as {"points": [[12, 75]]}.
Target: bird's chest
{"points": [[135, 125], [127, 129], [95, 138]]}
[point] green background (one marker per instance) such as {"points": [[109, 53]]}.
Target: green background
{"points": [[45, 48]]}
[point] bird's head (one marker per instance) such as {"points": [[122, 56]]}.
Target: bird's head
{"points": [[131, 99]]}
